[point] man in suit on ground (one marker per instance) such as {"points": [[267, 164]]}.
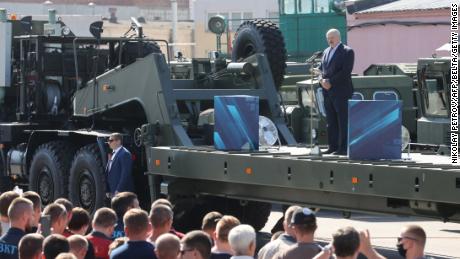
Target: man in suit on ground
{"points": [[336, 67], [119, 166]]}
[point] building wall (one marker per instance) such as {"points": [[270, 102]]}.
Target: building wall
{"points": [[235, 10], [391, 43]]}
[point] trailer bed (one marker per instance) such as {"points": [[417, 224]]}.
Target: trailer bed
{"points": [[425, 185]]}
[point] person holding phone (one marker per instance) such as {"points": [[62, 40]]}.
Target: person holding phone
{"points": [[57, 216]]}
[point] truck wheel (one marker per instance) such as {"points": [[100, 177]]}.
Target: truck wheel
{"points": [[254, 213], [87, 180], [49, 171], [260, 36], [5, 181]]}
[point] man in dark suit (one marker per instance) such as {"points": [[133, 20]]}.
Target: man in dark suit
{"points": [[118, 170], [336, 67]]}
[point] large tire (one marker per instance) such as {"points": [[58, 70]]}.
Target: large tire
{"points": [[49, 170], [5, 181], [188, 213], [87, 181], [260, 36]]}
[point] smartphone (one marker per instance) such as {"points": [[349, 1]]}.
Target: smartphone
{"points": [[45, 225]]}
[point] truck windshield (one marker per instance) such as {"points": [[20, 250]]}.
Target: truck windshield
{"points": [[288, 6], [305, 6], [434, 96]]}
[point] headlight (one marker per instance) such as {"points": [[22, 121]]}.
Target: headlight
{"points": [[66, 31]]}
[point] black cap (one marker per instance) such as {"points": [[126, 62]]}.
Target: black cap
{"points": [[303, 216]]}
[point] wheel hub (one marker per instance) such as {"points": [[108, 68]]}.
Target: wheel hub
{"points": [[45, 186], [87, 190]]}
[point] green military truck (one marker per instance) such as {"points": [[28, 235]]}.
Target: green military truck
{"points": [[65, 94]]}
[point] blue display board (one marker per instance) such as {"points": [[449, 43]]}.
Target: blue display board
{"points": [[236, 122], [374, 129]]}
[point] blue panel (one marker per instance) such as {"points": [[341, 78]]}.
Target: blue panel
{"points": [[374, 130], [236, 122]]}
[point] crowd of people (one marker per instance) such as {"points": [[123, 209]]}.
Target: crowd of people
{"points": [[63, 231]]}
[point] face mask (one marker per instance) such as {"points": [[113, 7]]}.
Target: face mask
{"points": [[401, 250]]}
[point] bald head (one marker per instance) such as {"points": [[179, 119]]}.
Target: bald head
{"points": [[162, 202], [30, 246], [167, 246], [78, 245], [161, 216], [416, 233], [287, 219], [333, 37]]}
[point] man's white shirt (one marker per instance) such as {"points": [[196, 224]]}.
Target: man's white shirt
{"points": [[114, 153]]}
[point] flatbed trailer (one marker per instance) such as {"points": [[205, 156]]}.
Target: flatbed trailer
{"points": [[424, 185]]}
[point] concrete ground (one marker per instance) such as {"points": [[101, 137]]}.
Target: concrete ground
{"points": [[443, 238]]}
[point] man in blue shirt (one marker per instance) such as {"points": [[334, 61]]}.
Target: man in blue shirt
{"points": [[21, 215], [137, 228]]}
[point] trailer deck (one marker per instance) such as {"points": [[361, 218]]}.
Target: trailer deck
{"points": [[425, 185]]}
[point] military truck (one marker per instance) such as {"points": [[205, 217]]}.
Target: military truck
{"points": [[62, 95], [65, 95]]}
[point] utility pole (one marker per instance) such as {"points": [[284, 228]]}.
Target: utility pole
{"points": [[174, 26]]}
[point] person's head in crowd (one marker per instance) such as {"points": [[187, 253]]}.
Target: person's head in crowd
{"points": [[54, 245], [58, 217], [303, 222], [68, 205], [137, 225], [78, 245], [162, 201], [411, 242], [104, 221], [223, 227], [6, 199], [79, 223], [30, 246], [167, 246], [209, 222], [161, 218], [288, 218], [66, 256], [196, 245], [242, 239], [37, 201], [21, 214], [117, 243], [346, 243], [124, 201]]}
